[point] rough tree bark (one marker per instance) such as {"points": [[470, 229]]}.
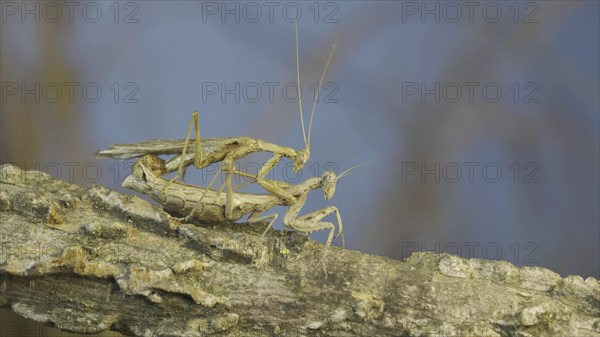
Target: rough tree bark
{"points": [[91, 259]]}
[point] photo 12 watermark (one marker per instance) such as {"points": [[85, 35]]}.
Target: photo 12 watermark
{"points": [[23, 328], [469, 171], [270, 11], [126, 12], [469, 92], [69, 92], [521, 253], [70, 171], [269, 91], [527, 12]]}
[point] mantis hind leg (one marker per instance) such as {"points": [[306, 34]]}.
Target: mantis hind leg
{"points": [[194, 123], [257, 218]]}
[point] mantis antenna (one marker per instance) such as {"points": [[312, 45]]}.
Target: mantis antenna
{"points": [[299, 91], [312, 113], [348, 171]]}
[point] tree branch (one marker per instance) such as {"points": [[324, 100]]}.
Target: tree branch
{"points": [[92, 259]]}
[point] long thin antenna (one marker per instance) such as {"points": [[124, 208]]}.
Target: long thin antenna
{"points": [[312, 113], [363, 164], [299, 91]]}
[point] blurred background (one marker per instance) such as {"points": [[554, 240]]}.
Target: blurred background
{"points": [[491, 110]]}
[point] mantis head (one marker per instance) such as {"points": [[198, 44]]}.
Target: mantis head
{"points": [[150, 162], [328, 184], [301, 158], [138, 178]]}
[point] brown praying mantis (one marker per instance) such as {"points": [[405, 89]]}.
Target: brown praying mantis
{"points": [[228, 150]]}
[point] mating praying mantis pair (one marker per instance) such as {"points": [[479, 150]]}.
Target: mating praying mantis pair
{"points": [[183, 198], [177, 197]]}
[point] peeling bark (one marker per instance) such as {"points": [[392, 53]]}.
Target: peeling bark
{"points": [[91, 259]]}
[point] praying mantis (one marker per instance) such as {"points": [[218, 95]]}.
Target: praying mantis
{"points": [[228, 150]]}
